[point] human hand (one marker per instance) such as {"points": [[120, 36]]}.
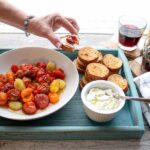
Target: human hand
{"points": [[47, 25]]}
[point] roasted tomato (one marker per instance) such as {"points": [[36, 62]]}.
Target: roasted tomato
{"points": [[72, 39], [10, 76], [3, 98], [44, 79], [7, 86], [3, 78], [26, 67], [14, 68], [41, 101], [59, 74], [27, 95], [40, 73], [43, 88], [41, 65], [26, 81], [29, 108], [13, 95], [19, 74], [30, 74]]}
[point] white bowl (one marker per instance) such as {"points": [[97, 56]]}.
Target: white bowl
{"points": [[96, 114], [34, 54]]}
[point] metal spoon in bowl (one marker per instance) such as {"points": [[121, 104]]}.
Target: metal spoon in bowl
{"points": [[145, 100]]}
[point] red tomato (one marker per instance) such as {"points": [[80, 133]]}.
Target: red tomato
{"points": [[14, 68], [29, 108], [26, 67], [13, 94], [8, 86], [72, 39], [41, 64], [40, 73], [44, 79], [41, 101], [29, 74], [3, 78], [59, 74], [26, 81], [43, 88], [19, 74], [32, 86]]}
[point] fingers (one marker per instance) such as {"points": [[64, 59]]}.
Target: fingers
{"points": [[74, 23], [66, 24], [54, 39]]}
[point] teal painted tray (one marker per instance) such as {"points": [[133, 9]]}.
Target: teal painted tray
{"points": [[71, 121]]}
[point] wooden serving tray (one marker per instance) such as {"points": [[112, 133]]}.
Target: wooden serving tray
{"points": [[71, 121]]}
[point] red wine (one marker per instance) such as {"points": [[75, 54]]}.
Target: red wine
{"points": [[129, 35]]}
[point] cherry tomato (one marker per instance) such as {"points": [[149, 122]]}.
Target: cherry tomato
{"points": [[14, 68], [27, 95], [32, 86], [19, 73], [3, 98], [29, 108], [40, 73], [43, 88], [13, 95], [26, 81], [35, 69], [44, 79], [7, 86], [72, 39], [3, 78], [41, 101], [30, 74], [59, 74], [25, 67], [41, 64], [10, 76], [53, 97]]}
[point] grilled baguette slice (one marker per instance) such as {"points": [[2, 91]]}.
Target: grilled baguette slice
{"points": [[81, 70], [119, 80], [111, 62], [88, 55], [96, 71]]}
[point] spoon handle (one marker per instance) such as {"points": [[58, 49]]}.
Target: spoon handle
{"points": [[145, 100]]}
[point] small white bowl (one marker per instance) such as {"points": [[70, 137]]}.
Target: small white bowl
{"points": [[101, 115]]}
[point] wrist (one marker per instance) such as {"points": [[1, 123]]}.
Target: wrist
{"points": [[26, 24]]}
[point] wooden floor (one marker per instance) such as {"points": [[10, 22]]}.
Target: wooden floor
{"points": [[96, 40]]}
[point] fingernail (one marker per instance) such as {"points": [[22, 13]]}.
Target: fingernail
{"points": [[58, 45]]}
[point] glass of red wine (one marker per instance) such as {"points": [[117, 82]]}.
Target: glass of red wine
{"points": [[131, 29]]}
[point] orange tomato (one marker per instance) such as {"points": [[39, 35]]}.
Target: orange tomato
{"points": [[27, 95], [10, 76], [53, 97], [3, 98]]}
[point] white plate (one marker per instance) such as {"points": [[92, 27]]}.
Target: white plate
{"points": [[34, 54]]}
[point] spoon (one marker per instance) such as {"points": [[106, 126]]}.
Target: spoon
{"points": [[145, 100]]}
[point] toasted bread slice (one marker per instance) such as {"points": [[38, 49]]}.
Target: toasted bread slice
{"points": [[77, 66], [97, 71], [100, 57], [119, 80], [88, 55], [81, 64], [84, 81], [67, 47], [111, 62]]}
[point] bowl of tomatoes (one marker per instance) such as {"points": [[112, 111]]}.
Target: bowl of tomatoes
{"points": [[35, 82]]}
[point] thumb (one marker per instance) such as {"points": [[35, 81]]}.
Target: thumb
{"points": [[54, 39]]}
